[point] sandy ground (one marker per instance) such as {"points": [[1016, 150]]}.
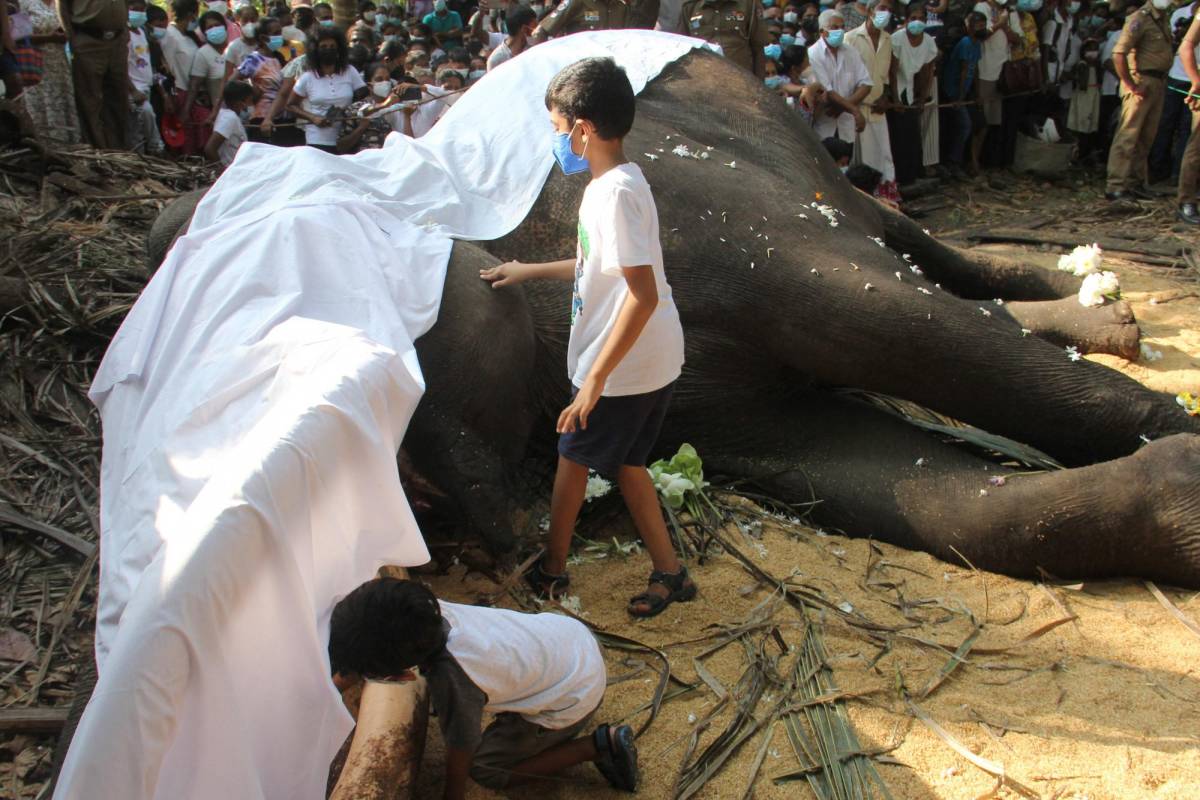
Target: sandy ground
{"points": [[1105, 705]]}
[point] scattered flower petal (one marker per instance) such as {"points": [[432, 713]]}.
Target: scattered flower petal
{"points": [[682, 151], [651, 156], [923, 290], [846, 607], [1073, 352], [996, 480], [1150, 354], [986, 313], [868, 287]]}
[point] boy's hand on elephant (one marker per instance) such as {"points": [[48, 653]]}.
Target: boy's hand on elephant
{"points": [[575, 416], [508, 273]]}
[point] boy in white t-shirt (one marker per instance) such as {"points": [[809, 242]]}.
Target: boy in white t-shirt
{"points": [[626, 345], [542, 675], [228, 131]]}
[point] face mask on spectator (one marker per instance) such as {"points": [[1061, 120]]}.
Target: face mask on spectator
{"points": [[248, 30], [915, 27], [882, 19], [538, 9], [439, 6], [219, 6], [835, 38], [791, 17], [568, 162], [381, 89], [1162, 5], [476, 74], [787, 40], [216, 36], [1098, 22], [326, 23], [381, 20], [773, 52], [1073, 8], [275, 42], [158, 33], [137, 19], [768, 3], [774, 81], [1091, 55]]}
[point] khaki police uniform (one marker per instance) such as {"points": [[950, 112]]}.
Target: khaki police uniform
{"points": [[1189, 171], [100, 69], [735, 25], [573, 16], [1147, 43]]}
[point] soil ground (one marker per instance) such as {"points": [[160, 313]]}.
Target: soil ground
{"points": [[1104, 705]]}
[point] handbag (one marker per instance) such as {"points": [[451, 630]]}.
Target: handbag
{"points": [[1019, 76], [30, 64]]}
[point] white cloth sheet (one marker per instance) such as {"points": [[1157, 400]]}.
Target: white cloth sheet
{"points": [[253, 401]]}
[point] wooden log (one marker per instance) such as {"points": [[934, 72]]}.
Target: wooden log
{"points": [[33, 720]]}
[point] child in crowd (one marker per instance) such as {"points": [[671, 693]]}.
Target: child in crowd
{"points": [[839, 151], [228, 131], [541, 674], [626, 345]]}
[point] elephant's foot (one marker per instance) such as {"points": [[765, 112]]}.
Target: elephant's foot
{"points": [[970, 275], [876, 476], [1110, 328]]}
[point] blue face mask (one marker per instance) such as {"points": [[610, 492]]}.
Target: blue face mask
{"points": [[774, 81], [1025, 5], [915, 27], [768, 3], [216, 36], [326, 23], [568, 162], [158, 33], [381, 20], [835, 38], [786, 39], [137, 19], [773, 52], [882, 19], [275, 42]]}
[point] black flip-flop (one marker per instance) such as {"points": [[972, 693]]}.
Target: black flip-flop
{"points": [[617, 756]]}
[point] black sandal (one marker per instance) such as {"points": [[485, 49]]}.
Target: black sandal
{"points": [[546, 584], [617, 756], [679, 589]]}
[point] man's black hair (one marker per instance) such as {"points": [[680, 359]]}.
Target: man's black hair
{"points": [[793, 56], [838, 149], [185, 8], [213, 18], [236, 91], [976, 16], [597, 90], [384, 627], [321, 5], [319, 35], [262, 29], [518, 17], [474, 47], [154, 13], [459, 55], [864, 177], [364, 6], [393, 50]]}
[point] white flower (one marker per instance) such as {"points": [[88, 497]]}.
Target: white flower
{"points": [[986, 313], [923, 290], [1098, 286], [1026, 332], [814, 271], [651, 156], [920, 462], [915, 270], [732, 165], [999, 302], [1073, 353], [704, 155], [868, 287], [906, 256], [899, 277], [682, 151], [596, 487], [1150, 354], [1083, 260]]}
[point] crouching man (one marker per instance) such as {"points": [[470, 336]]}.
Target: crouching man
{"points": [[542, 675]]}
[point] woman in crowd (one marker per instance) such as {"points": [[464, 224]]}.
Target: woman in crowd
{"points": [[179, 46], [326, 88], [1025, 59], [51, 103], [913, 57], [206, 79], [368, 122], [263, 68]]}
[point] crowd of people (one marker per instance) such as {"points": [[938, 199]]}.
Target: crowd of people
{"points": [[918, 90]]}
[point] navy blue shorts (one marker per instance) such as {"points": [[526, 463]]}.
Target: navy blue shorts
{"points": [[621, 431]]}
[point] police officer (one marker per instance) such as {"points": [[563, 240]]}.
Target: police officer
{"points": [[1189, 171], [735, 25], [1147, 39], [573, 16]]}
